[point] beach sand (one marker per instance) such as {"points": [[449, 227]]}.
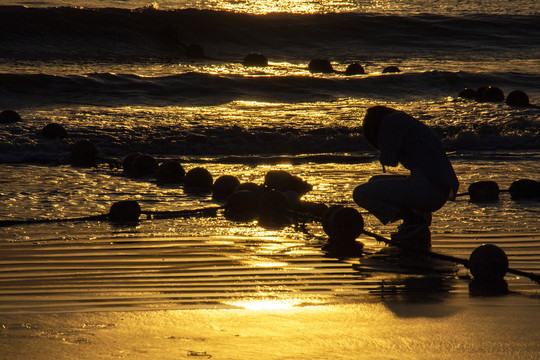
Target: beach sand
{"points": [[299, 304], [458, 328], [204, 287]]}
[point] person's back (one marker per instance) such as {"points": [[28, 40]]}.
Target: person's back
{"points": [[405, 140], [402, 139]]}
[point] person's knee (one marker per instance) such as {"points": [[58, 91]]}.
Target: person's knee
{"points": [[387, 177], [360, 195]]}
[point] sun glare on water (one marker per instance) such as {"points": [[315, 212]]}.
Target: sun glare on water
{"points": [[275, 6], [267, 304]]}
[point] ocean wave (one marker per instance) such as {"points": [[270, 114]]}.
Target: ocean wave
{"points": [[281, 138], [203, 88], [113, 34]]}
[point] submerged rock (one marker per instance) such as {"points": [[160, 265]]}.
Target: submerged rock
{"points": [[199, 178], [255, 59], [320, 66], [9, 116]]}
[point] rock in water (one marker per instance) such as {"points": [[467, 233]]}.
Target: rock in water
{"points": [[54, 131], [345, 225], [170, 172], [255, 59], [273, 205], [488, 263], [9, 116], [199, 178], [355, 69], [125, 211], [144, 165], [320, 66], [525, 189], [224, 186], [518, 98], [484, 191], [242, 205]]}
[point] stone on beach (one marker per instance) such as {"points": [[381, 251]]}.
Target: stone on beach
{"points": [[224, 186], [484, 191], [488, 263], [344, 224], [251, 186], [320, 66], [273, 205], [525, 189], [242, 205], [467, 93], [128, 161], [124, 211], [354, 69], [144, 165], [255, 59], [170, 172], [283, 181], [489, 94], [54, 131], [9, 116], [391, 69], [198, 177]]}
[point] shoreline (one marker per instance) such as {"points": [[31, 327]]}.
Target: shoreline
{"points": [[464, 327]]}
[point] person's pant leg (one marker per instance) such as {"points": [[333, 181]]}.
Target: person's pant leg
{"points": [[387, 198]]}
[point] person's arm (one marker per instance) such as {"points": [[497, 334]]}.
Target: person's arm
{"points": [[392, 134]]}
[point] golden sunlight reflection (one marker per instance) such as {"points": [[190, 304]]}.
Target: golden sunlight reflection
{"points": [[271, 303], [265, 7], [264, 263], [237, 68]]}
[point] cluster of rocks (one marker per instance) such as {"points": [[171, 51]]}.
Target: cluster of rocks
{"points": [[516, 98], [316, 66], [488, 190]]}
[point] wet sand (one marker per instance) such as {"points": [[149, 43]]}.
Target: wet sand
{"points": [[466, 328], [248, 297]]}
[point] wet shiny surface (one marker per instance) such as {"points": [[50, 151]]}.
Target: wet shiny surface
{"points": [[214, 262]]}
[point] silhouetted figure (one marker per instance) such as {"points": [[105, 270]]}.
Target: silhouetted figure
{"points": [[401, 139]]}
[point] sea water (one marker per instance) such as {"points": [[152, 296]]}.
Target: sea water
{"points": [[100, 69]]}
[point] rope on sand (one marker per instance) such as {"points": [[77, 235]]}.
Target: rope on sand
{"points": [[465, 262], [125, 213], [342, 224]]}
